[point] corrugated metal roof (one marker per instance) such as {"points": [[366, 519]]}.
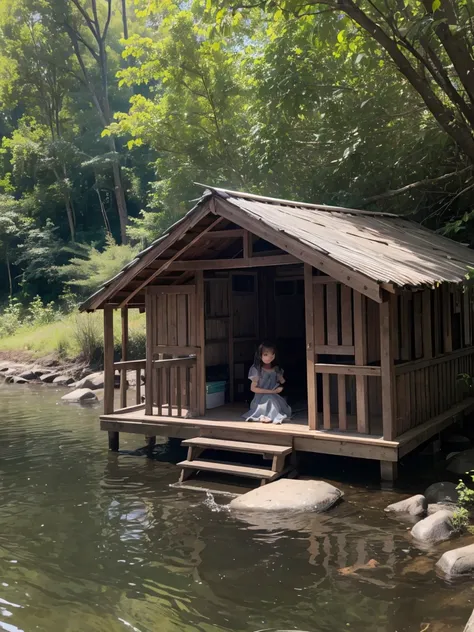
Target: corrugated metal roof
{"points": [[386, 248], [383, 247]]}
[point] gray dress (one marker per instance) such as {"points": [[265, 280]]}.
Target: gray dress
{"points": [[273, 407]]}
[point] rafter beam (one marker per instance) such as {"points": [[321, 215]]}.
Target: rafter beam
{"points": [[167, 263], [233, 264]]}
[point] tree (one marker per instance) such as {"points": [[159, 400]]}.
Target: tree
{"points": [[88, 27], [10, 220]]}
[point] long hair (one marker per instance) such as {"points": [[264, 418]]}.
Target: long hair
{"points": [[257, 361]]}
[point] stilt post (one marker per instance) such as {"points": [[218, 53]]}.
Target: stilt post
{"points": [[310, 355], [123, 373], [387, 368], [109, 372]]}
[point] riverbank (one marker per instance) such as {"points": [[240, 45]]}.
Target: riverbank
{"points": [[72, 338]]}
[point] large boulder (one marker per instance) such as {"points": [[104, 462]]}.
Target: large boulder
{"points": [[49, 377], [441, 493], [413, 506], [80, 395], [63, 380], [435, 528], [462, 462], [28, 375], [435, 507], [457, 562], [470, 624], [93, 381], [16, 379], [289, 494]]}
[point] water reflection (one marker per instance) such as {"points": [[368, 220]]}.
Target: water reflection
{"points": [[95, 541]]}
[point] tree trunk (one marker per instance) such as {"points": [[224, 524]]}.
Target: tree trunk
{"points": [[124, 19], [70, 216], [9, 272]]}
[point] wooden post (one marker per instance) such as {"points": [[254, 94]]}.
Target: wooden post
{"points": [[447, 327], [360, 351], [248, 245], [201, 342], [150, 337], [427, 326], [109, 372], [310, 355], [388, 471], [231, 337], [123, 373], [387, 367]]}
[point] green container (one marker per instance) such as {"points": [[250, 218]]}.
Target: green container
{"points": [[215, 387]]}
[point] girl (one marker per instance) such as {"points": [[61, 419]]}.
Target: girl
{"points": [[266, 382]]}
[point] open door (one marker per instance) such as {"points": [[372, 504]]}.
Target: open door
{"points": [[173, 322]]}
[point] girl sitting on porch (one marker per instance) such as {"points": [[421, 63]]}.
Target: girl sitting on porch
{"points": [[267, 382]]}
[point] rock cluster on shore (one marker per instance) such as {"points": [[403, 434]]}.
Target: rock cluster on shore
{"points": [[86, 385]]}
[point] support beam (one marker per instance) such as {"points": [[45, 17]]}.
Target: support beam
{"points": [[201, 342], [360, 354], [150, 337], [310, 354], [167, 263], [123, 374], [109, 372], [388, 471], [248, 244], [387, 368], [233, 264]]}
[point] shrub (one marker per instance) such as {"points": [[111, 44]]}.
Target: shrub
{"points": [[39, 314], [88, 337], [10, 320], [465, 504]]}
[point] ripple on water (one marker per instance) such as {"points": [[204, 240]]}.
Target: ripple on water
{"points": [[92, 541]]}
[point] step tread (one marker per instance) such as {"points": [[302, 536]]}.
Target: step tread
{"points": [[238, 446], [228, 468]]}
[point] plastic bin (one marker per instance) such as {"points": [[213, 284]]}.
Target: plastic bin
{"points": [[215, 394]]}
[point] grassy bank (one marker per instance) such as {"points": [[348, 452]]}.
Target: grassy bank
{"points": [[73, 336]]}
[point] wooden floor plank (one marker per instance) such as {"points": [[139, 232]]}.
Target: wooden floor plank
{"points": [[228, 468], [238, 446]]}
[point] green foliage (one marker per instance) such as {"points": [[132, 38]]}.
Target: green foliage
{"points": [[10, 319], [88, 338], [461, 518], [39, 314], [90, 268]]}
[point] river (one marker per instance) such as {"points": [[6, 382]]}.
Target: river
{"points": [[92, 541]]}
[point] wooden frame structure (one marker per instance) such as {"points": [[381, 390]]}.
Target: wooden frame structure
{"points": [[382, 360]]}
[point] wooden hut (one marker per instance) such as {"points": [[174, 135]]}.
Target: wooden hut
{"points": [[373, 324]]}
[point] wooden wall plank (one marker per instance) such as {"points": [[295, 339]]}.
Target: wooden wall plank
{"points": [[447, 324], [332, 319], [405, 327], [466, 318], [230, 348], [418, 323], [109, 371], [310, 315], [341, 401], [150, 302], [123, 374], [395, 326], [319, 321], [360, 352], [346, 316], [326, 402], [427, 325]]}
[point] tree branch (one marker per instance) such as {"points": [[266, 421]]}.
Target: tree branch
{"points": [[415, 185]]}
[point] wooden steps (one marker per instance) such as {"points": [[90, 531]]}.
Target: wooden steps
{"points": [[196, 446]]}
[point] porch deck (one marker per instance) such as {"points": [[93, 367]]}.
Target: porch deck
{"points": [[225, 422]]}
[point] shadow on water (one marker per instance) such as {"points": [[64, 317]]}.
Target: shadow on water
{"points": [[93, 541]]}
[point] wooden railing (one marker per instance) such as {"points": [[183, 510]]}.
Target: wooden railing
{"points": [[344, 388], [427, 388], [172, 390], [123, 367]]}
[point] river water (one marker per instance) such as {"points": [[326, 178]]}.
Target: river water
{"points": [[92, 541]]}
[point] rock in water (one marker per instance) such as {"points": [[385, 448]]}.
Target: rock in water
{"points": [[413, 506], [457, 562], [92, 381], [63, 380], [49, 377], [442, 493], [80, 395], [434, 507], [462, 462], [470, 624], [289, 495], [28, 375], [436, 528]]}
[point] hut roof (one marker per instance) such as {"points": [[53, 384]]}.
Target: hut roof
{"points": [[382, 248]]}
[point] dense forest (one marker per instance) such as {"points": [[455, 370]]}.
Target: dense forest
{"points": [[112, 109]]}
